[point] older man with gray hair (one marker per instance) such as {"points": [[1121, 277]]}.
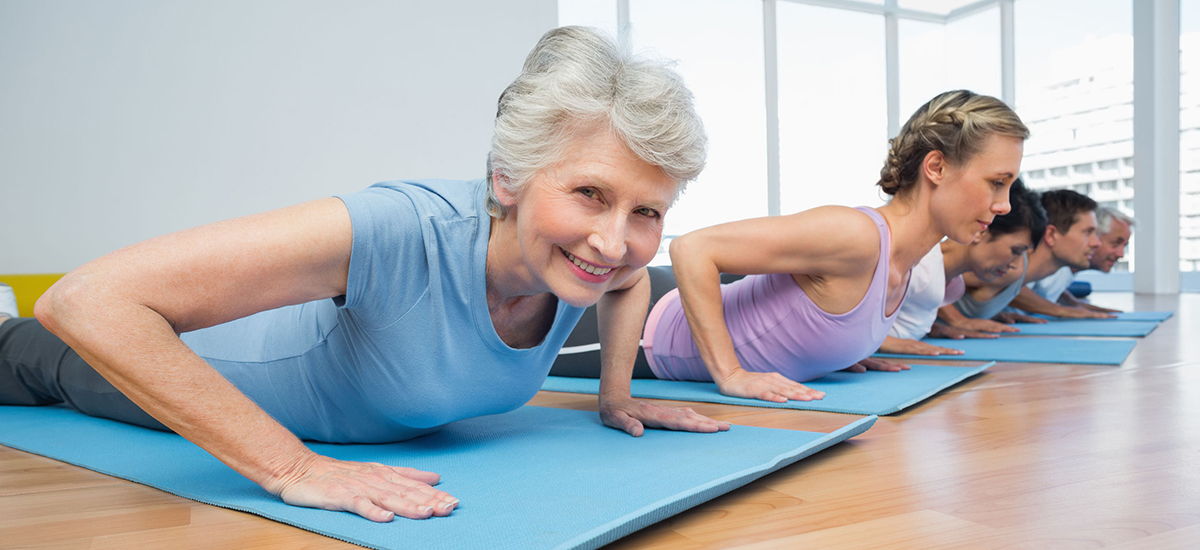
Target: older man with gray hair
{"points": [[1114, 229]]}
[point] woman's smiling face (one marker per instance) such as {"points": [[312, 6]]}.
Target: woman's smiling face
{"points": [[588, 222]]}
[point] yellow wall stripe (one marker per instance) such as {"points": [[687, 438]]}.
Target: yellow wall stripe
{"points": [[29, 288]]}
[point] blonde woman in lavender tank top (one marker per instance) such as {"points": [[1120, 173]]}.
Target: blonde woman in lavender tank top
{"points": [[823, 286]]}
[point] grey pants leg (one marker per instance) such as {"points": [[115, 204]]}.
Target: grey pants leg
{"points": [[37, 368], [586, 364]]}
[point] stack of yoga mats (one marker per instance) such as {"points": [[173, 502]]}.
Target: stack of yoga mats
{"points": [[532, 478]]}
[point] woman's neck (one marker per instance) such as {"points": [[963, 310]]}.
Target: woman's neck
{"points": [[521, 313], [508, 280], [913, 232]]}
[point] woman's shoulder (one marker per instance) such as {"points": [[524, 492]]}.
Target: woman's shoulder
{"points": [[435, 197], [843, 217], [841, 228]]}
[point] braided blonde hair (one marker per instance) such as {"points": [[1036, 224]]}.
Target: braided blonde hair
{"points": [[955, 123]]}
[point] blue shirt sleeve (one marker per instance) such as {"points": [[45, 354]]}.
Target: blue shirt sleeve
{"points": [[388, 266]]}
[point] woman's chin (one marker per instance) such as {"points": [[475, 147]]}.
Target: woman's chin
{"points": [[578, 300], [962, 237], [578, 295]]}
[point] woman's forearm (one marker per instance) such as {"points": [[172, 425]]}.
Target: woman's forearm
{"points": [[951, 316], [137, 350], [699, 282], [620, 317], [1028, 300]]}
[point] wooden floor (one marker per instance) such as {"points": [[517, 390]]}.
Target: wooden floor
{"points": [[1025, 456]]}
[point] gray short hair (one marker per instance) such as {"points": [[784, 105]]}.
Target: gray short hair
{"points": [[1105, 216], [578, 79]]}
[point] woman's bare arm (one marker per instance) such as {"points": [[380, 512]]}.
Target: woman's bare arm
{"points": [[1030, 301], [621, 315], [123, 311], [837, 244]]}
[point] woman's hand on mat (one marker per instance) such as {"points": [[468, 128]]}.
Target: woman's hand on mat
{"points": [[1010, 318], [633, 415], [978, 326], [374, 491], [879, 365], [766, 386], [904, 346]]}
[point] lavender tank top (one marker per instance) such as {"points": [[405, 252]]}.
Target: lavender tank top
{"points": [[776, 327]]}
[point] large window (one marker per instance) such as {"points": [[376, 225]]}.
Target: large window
{"points": [[936, 57], [719, 45], [601, 14], [1074, 85], [832, 107], [940, 7]]}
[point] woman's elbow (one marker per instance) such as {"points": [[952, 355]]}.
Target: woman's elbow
{"points": [[64, 296], [682, 249]]}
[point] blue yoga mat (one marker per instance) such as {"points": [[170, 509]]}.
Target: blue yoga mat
{"points": [[1035, 350], [532, 478], [870, 392], [1157, 316], [1144, 315], [1085, 327]]}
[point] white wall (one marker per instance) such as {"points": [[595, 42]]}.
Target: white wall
{"points": [[124, 119]]}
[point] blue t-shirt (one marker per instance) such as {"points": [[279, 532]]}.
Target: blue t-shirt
{"points": [[409, 348]]}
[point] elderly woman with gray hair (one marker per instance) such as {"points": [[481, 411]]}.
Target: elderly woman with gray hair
{"points": [[385, 314]]}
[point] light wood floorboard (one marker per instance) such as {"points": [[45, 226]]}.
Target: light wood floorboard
{"points": [[1026, 456]]}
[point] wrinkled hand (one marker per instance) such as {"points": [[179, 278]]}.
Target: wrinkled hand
{"points": [[633, 415], [1010, 318], [904, 346], [1080, 313], [766, 386], [371, 490], [878, 364], [981, 326]]}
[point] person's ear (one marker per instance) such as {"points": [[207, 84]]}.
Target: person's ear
{"points": [[500, 186], [1051, 237], [934, 166]]}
